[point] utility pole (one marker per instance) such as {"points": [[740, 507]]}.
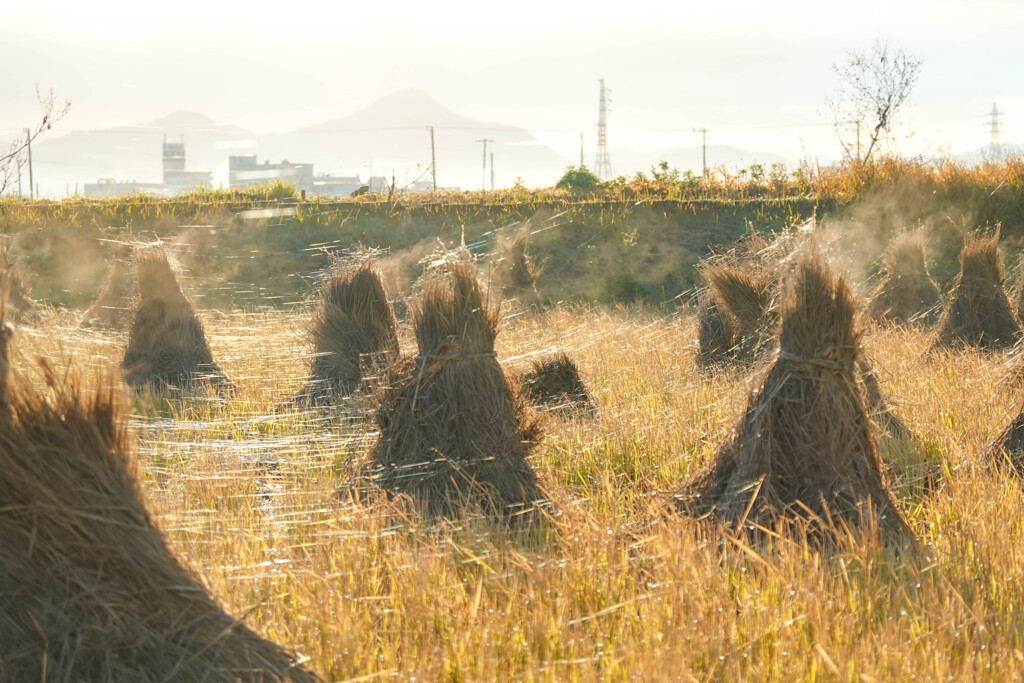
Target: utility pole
{"points": [[603, 165], [28, 145], [483, 175], [703, 148], [433, 158], [492, 170]]}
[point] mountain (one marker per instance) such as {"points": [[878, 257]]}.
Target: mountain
{"points": [[392, 134], [134, 152], [986, 154]]}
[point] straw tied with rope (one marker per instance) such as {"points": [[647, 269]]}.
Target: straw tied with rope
{"points": [[453, 432], [804, 448]]}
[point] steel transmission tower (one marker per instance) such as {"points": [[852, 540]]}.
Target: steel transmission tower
{"points": [[994, 131], [603, 164]]}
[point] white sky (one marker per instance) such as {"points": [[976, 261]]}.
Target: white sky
{"points": [[756, 73]]}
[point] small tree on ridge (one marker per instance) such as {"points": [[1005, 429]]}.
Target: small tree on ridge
{"points": [[873, 87]]}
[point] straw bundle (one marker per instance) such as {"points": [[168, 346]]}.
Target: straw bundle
{"points": [[978, 312], [167, 347], [804, 446], [89, 590], [907, 292], [353, 325], [1019, 294], [737, 320], [18, 292], [1008, 448], [113, 307], [716, 333], [517, 273], [452, 430], [554, 384]]}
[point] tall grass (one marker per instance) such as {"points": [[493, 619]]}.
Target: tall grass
{"points": [[615, 589]]}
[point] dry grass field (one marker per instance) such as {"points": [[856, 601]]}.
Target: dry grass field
{"points": [[612, 587]]}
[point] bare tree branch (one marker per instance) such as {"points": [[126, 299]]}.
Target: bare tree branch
{"points": [[11, 160], [873, 87]]}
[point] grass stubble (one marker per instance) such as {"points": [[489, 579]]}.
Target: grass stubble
{"points": [[614, 589]]}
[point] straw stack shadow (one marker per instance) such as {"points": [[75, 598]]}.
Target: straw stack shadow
{"points": [[906, 294], [454, 435], [167, 349], [113, 307], [978, 311], [804, 448], [88, 586], [353, 335]]}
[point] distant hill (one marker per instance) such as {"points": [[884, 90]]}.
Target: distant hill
{"points": [[133, 152], [391, 133], [983, 154]]}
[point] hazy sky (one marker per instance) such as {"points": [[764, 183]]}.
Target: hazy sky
{"points": [[755, 73]]}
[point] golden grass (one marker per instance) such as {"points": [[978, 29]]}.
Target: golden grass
{"points": [[615, 590]]}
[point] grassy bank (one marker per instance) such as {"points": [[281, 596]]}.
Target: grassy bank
{"points": [[631, 239]]}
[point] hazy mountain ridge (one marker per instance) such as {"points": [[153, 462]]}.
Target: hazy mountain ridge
{"points": [[391, 134]]}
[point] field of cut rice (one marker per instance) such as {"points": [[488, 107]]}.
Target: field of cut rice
{"points": [[611, 587]]}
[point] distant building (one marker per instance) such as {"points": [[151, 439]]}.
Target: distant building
{"points": [[176, 180], [244, 171]]}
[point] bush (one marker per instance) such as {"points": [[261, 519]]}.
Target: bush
{"points": [[579, 180]]}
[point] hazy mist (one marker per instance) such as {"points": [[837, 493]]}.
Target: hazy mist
{"points": [[756, 74]]}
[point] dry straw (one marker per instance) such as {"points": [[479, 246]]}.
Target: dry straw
{"points": [[19, 290], [167, 347], [89, 589], [517, 272], [113, 307], [736, 316], [878, 408], [353, 329], [1019, 294], [906, 293], [554, 384], [453, 432], [716, 333], [804, 447], [1007, 451], [978, 312]]}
